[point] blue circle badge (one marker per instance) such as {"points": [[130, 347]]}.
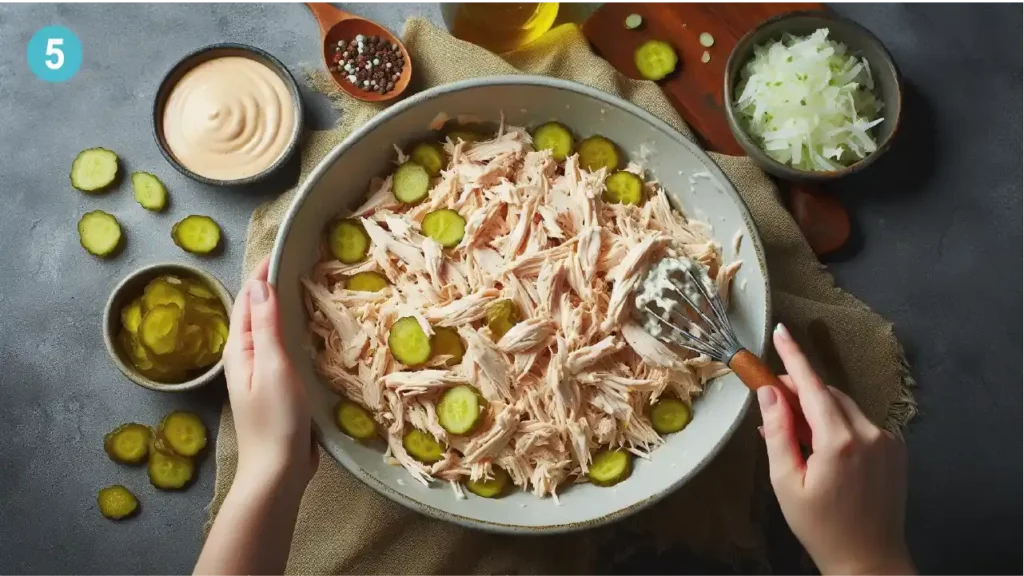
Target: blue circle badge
{"points": [[54, 54]]}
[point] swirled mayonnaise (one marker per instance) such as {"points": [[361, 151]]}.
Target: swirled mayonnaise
{"points": [[229, 118]]}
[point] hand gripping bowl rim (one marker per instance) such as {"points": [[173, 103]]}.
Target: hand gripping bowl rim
{"points": [[607, 99]]}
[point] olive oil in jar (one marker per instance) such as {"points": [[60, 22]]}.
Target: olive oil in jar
{"points": [[501, 27]]}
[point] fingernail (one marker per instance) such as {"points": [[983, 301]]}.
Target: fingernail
{"points": [[258, 292], [781, 332], [760, 430], [766, 397]]}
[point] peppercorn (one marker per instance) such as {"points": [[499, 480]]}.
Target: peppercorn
{"points": [[370, 63]]}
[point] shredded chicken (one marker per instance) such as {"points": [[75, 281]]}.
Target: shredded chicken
{"points": [[576, 374]]}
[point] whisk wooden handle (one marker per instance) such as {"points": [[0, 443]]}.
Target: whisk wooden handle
{"points": [[753, 372]]}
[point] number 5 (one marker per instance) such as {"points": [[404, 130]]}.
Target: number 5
{"points": [[52, 50]]}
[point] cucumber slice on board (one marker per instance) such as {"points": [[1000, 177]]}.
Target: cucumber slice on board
{"points": [[93, 170], [655, 59]]}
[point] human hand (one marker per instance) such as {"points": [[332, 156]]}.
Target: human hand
{"points": [[846, 501], [268, 402]]}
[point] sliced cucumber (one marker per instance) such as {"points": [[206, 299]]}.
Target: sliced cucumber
{"points": [[355, 421], [599, 152], [655, 59], [446, 226], [408, 343], [609, 467], [447, 342], [502, 315], [459, 409], [669, 415], [149, 191], [94, 169], [623, 188], [196, 234], [430, 155], [158, 331], [349, 241], [493, 488], [555, 137], [411, 183], [367, 282], [99, 233], [422, 446]]}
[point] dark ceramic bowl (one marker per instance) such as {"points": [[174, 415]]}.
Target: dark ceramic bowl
{"points": [[220, 50], [131, 287], [861, 43]]}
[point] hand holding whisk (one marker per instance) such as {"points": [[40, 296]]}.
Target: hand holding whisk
{"points": [[679, 304]]}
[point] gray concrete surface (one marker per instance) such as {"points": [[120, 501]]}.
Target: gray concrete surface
{"points": [[938, 252]]}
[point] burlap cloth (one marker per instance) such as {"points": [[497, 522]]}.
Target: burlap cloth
{"points": [[344, 526]]}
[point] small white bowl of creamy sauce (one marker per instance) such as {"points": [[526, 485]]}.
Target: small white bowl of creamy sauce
{"points": [[228, 114]]}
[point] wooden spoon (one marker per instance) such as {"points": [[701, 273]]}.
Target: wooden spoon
{"points": [[339, 26]]}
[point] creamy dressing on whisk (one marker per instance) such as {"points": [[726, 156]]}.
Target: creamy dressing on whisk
{"points": [[658, 295]]}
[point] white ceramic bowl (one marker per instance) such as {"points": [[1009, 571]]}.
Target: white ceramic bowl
{"points": [[341, 180]]}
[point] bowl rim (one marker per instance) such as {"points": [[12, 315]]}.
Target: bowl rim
{"points": [[190, 60], [732, 70], [110, 320], [331, 157]]}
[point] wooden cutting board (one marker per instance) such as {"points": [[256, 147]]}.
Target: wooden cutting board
{"points": [[695, 89]]}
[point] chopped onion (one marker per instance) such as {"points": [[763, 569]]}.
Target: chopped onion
{"points": [[809, 103], [634, 21], [705, 57], [706, 40]]}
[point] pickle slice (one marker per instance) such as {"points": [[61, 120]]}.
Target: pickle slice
{"points": [[502, 315], [447, 342], [623, 188], [149, 191], [655, 59], [422, 446], [609, 467], [184, 432], [199, 290], [196, 234], [94, 169], [349, 241], [99, 233], [128, 443], [169, 471], [493, 488], [131, 316], [355, 421], [161, 292], [116, 502], [669, 415], [464, 135], [599, 152], [411, 183], [158, 331], [367, 282], [430, 155], [459, 409], [555, 137], [446, 226], [408, 343]]}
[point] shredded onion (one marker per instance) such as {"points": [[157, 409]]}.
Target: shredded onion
{"points": [[809, 102]]}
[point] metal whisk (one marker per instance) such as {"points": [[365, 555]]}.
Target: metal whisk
{"points": [[678, 303]]}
